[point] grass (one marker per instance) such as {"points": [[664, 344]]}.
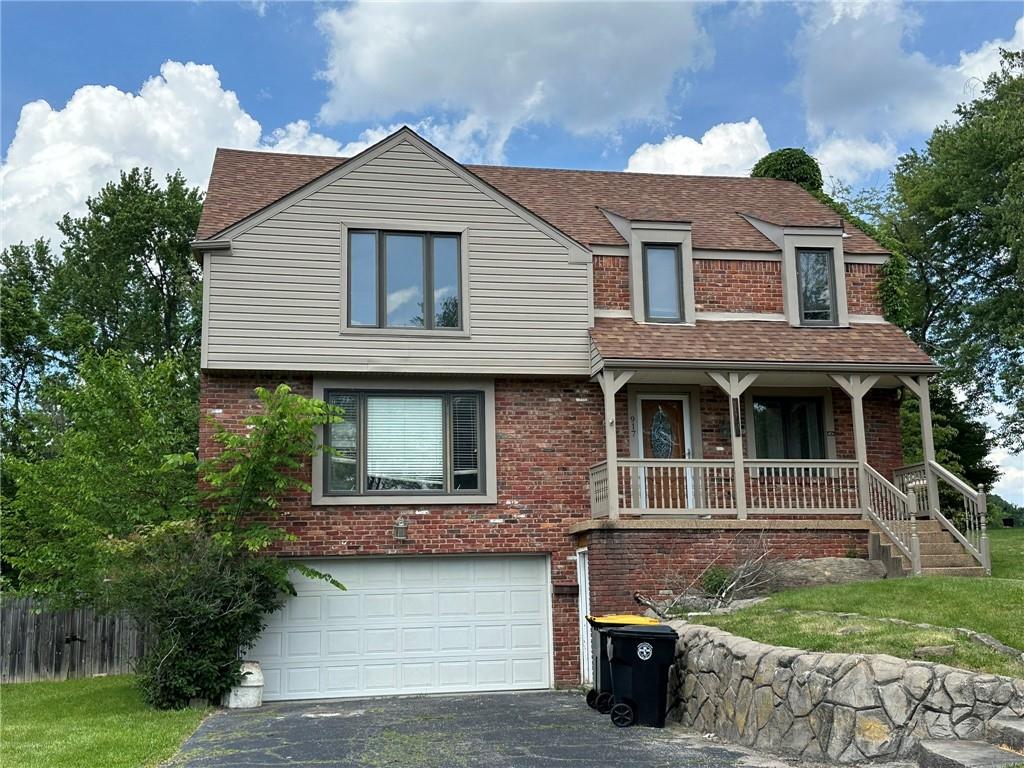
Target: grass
{"points": [[99, 721], [1007, 546], [991, 605]]}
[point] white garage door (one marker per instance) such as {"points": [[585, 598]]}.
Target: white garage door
{"points": [[411, 625]]}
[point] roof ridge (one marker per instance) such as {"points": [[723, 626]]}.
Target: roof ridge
{"points": [[637, 174]]}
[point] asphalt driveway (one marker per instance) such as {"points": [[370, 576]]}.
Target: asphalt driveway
{"points": [[508, 730]]}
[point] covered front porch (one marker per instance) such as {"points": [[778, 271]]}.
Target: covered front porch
{"points": [[685, 441]]}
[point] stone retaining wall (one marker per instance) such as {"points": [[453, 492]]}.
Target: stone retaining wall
{"points": [[840, 707]]}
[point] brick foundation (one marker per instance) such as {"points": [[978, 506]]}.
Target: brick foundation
{"points": [[661, 562]]}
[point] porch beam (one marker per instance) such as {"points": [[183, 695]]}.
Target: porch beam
{"points": [[734, 384], [856, 386], [611, 382], [919, 387]]}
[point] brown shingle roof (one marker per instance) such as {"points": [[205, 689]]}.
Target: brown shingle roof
{"points": [[243, 182], [738, 341]]}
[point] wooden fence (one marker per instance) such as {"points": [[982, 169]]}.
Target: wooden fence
{"points": [[57, 645]]}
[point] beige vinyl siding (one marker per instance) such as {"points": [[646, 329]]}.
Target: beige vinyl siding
{"points": [[275, 301]]}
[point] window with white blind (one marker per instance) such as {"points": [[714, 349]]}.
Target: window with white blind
{"points": [[405, 443]]}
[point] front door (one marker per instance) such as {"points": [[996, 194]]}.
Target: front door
{"points": [[665, 435]]}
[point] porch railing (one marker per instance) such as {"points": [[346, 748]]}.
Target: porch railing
{"points": [[706, 487], [802, 487], [895, 513]]}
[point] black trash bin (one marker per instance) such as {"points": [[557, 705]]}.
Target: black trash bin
{"points": [[640, 658], [600, 696]]}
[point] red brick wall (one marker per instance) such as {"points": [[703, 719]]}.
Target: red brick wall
{"points": [[862, 282], [548, 432], [611, 282], [734, 285], [662, 562]]}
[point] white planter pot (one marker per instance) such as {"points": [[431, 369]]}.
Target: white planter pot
{"points": [[248, 694]]}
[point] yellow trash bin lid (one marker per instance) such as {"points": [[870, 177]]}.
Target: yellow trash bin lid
{"points": [[618, 619]]}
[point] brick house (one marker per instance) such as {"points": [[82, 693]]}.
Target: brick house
{"points": [[559, 387]]}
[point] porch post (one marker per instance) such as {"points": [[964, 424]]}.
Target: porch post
{"points": [[856, 386], [611, 383], [919, 387], [734, 385]]}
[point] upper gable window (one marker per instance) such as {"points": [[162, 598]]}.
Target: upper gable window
{"points": [[663, 283], [816, 285], [404, 280]]}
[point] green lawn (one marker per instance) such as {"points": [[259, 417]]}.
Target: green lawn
{"points": [[1007, 546], [89, 723], [992, 605]]}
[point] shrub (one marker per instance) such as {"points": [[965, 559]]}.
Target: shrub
{"points": [[199, 604], [715, 579]]}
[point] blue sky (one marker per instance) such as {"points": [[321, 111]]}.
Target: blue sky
{"points": [[89, 89]]}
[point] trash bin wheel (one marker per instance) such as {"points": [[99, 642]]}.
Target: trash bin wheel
{"points": [[592, 695], [604, 702], [623, 715]]}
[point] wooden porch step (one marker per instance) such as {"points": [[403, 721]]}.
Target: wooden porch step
{"points": [[954, 571]]}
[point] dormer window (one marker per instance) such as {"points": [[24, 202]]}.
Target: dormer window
{"points": [[816, 286], [663, 283]]}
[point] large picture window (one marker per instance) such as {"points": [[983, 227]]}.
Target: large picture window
{"points": [[817, 286], [404, 280], [405, 443], [663, 283], [789, 427]]}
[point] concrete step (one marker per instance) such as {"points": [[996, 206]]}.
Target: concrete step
{"points": [[933, 753], [1006, 732], [941, 548], [959, 560], [935, 537], [954, 571]]}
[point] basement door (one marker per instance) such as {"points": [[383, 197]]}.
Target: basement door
{"points": [[411, 625]]}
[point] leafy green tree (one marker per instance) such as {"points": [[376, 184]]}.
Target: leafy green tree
{"points": [[102, 476], [958, 210], [127, 280], [790, 164], [25, 335]]}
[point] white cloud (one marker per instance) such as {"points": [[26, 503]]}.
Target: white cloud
{"points": [[848, 159], [499, 66], [1011, 484], [858, 77], [726, 149], [863, 85], [58, 157]]}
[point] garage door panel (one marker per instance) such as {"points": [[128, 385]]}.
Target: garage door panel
{"points": [[303, 608], [343, 642], [304, 644], [380, 605], [341, 606], [430, 624], [455, 603], [418, 604]]}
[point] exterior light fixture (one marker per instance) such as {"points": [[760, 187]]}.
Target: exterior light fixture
{"points": [[401, 530]]}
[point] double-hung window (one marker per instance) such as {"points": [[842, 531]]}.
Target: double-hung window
{"points": [[789, 427], [663, 283], [404, 280], [816, 285], [393, 443]]}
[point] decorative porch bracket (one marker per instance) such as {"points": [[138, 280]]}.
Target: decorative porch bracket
{"points": [[611, 382], [734, 385], [919, 387], [856, 386]]}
